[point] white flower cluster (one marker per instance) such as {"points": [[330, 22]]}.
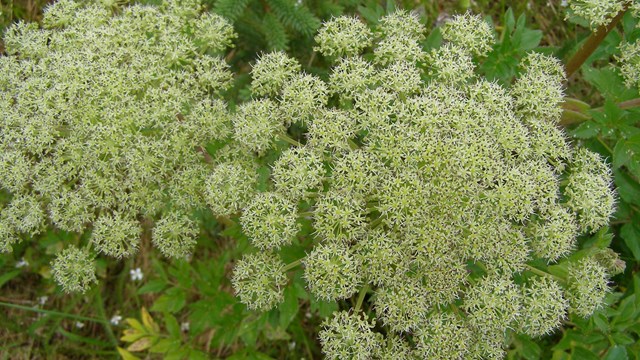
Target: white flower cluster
{"points": [[433, 193], [597, 12], [105, 113]]}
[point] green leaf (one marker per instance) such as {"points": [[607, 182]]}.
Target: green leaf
{"points": [[631, 236], [617, 353], [583, 354], [172, 301], [172, 326], [628, 188], [4, 278], [609, 83], [86, 340], [587, 130], [289, 307], [164, 345], [152, 286]]}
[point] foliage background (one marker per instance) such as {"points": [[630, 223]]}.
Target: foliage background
{"points": [[38, 320]]}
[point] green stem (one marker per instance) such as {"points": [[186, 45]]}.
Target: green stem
{"points": [[289, 140], [591, 44], [106, 324], [54, 313], [292, 265], [544, 273], [361, 295], [305, 214]]}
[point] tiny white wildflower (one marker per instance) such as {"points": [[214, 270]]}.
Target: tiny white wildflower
{"points": [[79, 324], [136, 274], [115, 319], [22, 263], [42, 300], [184, 326]]}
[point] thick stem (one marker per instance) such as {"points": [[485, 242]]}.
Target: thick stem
{"points": [[292, 265], [591, 44], [53, 313], [629, 104], [106, 324], [288, 139], [544, 273], [361, 295]]}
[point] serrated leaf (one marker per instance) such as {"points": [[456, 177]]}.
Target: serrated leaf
{"points": [[172, 325], [152, 286], [628, 188], [172, 301], [631, 236], [148, 321], [164, 345], [586, 130], [617, 353], [126, 355], [141, 344], [289, 307]]}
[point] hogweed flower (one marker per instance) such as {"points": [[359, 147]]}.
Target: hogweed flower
{"points": [[597, 12], [348, 336], [74, 270], [104, 114], [259, 280], [430, 191]]}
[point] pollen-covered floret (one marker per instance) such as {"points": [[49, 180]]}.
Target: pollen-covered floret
{"points": [[332, 271], [348, 336], [303, 96], [553, 234], [629, 60], [589, 191], [271, 71], [444, 336], [73, 269], [174, 235], [343, 36], [539, 91], [297, 172], [597, 12], [469, 32], [116, 234], [588, 284], [256, 124], [229, 188], [259, 280], [270, 221], [544, 306]]}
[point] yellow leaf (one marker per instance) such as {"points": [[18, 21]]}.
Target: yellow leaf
{"points": [[141, 344], [127, 355], [147, 320], [136, 325]]}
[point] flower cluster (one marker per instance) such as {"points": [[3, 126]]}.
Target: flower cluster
{"points": [[597, 12], [436, 195], [105, 115]]}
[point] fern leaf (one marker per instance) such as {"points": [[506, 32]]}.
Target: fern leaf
{"points": [[274, 33], [296, 16], [230, 9]]}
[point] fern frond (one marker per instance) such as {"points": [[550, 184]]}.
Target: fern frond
{"points": [[296, 16], [230, 9], [274, 33]]}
